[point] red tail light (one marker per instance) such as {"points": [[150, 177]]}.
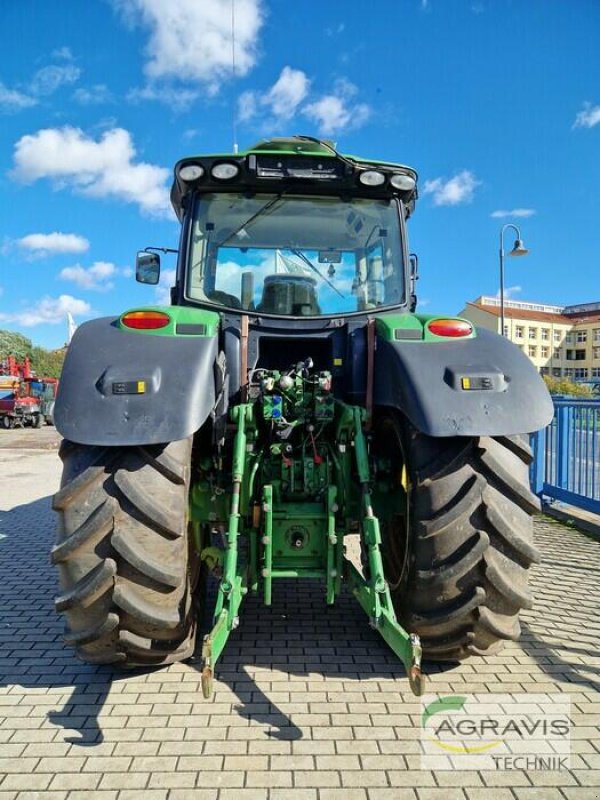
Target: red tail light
{"points": [[450, 327], [145, 320]]}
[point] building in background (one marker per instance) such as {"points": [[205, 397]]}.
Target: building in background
{"points": [[561, 341]]}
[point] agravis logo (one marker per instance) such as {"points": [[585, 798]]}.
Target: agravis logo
{"points": [[443, 706], [495, 731]]}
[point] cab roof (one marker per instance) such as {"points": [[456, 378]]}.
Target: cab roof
{"points": [[304, 146]]}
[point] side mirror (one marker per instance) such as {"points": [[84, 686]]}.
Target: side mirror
{"points": [[414, 266], [147, 267], [414, 277]]}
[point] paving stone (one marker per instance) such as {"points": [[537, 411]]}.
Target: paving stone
{"points": [[26, 782], [124, 780], [172, 780], [307, 705]]}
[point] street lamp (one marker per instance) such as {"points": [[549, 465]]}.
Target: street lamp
{"points": [[519, 249]]}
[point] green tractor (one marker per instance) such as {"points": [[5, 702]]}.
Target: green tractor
{"points": [[288, 400]]}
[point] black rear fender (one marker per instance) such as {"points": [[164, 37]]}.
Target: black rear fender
{"points": [[482, 386], [121, 387]]}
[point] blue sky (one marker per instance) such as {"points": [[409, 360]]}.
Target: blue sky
{"points": [[496, 103]]}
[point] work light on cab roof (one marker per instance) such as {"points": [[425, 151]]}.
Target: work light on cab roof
{"points": [[297, 162]]}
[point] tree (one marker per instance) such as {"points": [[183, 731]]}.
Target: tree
{"points": [[47, 363], [567, 387], [14, 344], [44, 363]]}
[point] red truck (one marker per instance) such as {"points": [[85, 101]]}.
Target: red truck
{"points": [[21, 406], [24, 399]]}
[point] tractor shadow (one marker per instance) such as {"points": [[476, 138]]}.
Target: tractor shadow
{"points": [[298, 646], [279, 656], [563, 661], [32, 653], [298, 641]]}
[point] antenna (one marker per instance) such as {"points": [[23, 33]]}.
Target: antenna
{"points": [[234, 121]]}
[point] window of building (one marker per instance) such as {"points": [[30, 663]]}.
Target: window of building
{"points": [[569, 372], [581, 337], [506, 330], [569, 337], [596, 335], [519, 332], [595, 372], [557, 372], [544, 370], [570, 355], [557, 336], [545, 352], [579, 355], [557, 353], [596, 352], [581, 372], [532, 351], [545, 334], [532, 333]]}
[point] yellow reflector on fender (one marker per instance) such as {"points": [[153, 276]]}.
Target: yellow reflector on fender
{"points": [[145, 320]]}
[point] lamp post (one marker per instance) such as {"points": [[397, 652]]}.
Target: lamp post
{"points": [[519, 249]]}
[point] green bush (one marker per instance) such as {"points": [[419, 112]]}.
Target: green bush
{"points": [[565, 386]]}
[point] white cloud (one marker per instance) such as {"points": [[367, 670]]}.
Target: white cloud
{"points": [[48, 79], [284, 97], [453, 192], [49, 310], [105, 168], [62, 53], [94, 278], [587, 118], [335, 30], [191, 41], [163, 290], [281, 100], [337, 112], [11, 100], [515, 212], [43, 244], [509, 291], [43, 83], [247, 106], [176, 98], [95, 95]]}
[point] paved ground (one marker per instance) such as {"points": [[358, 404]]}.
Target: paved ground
{"points": [[309, 705]]}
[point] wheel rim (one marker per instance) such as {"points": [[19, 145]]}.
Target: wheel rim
{"points": [[387, 444]]}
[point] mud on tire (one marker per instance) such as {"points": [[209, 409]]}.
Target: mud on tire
{"points": [[126, 568], [470, 543]]}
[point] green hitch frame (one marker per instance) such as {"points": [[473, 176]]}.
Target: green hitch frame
{"points": [[372, 593], [233, 586]]}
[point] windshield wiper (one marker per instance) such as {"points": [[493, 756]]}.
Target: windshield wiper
{"points": [[309, 263], [269, 204]]}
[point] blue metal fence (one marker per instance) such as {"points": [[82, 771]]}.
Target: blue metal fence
{"points": [[566, 462]]}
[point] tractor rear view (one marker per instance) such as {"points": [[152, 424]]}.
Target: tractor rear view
{"points": [[289, 398]]}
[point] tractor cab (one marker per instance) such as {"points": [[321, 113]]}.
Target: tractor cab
{"points": [[291, 228]]}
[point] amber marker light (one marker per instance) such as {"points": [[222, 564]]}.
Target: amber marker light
{"points": [[450, 327], [145, 320]]}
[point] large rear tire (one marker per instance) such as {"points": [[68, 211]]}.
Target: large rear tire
{"points": [[125, 560], [463, 580]]}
